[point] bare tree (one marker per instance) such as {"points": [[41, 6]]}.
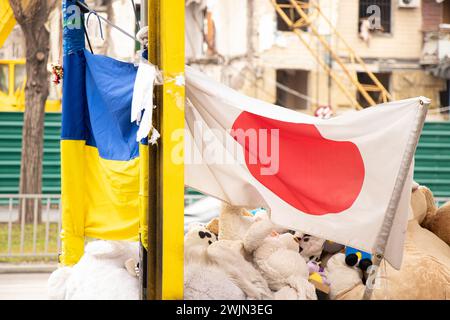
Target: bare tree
{"points": [[32, 16]]}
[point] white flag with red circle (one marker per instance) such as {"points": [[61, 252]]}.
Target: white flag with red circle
{"points": [[332, 178]]}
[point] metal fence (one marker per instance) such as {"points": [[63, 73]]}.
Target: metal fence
{"points": [[35, 237], [40, 236]]}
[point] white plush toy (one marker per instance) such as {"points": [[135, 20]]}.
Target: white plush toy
{"points": [[277, 258], [218, 270], [235, 221], [100, 274], [342, 277], [310, 247]]}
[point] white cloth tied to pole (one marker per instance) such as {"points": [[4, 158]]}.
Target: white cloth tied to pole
{"points": [[142, 103]]}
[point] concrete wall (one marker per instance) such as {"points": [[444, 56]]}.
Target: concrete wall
{"points": [[410, 83]]}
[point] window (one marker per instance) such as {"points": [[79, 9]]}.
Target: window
{"points": [[291, 13], [4, 78], [19, 76], [296, 80], [383, 7], [200, 31], [444, 97], [364, 79], [446, 12]]}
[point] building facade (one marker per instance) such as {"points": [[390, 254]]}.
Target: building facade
{"points": [[260, 55], [247, 45]]}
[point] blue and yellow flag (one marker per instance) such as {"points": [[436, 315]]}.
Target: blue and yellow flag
{"points": [[100, 169]]}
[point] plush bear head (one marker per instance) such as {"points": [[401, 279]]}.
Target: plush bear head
{"points": [[310, 247], [213, 226], [425, 211], [199, 235], [422, 203], [196, 242], [439, 223]]}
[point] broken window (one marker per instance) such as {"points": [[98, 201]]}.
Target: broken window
{"points": [[200, 31], [446, 12], [19, 76], [4, 78], [372, 90], [292, 89], [291, 12], [444, 97], [378, 12]]}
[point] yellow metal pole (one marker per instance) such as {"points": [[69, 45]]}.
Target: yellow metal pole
{"points": [[166, 185], [172, 63]]}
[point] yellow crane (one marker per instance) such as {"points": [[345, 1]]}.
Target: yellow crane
{"points": [[299, 15], [7, 21]]}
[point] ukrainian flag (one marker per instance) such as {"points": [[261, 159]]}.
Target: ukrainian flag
{"points": [[100, 169]]}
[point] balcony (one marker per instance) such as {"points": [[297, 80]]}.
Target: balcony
{"points": [[436, 47]]}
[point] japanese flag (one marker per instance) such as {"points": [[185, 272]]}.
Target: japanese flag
{"points": [[330, 178]]}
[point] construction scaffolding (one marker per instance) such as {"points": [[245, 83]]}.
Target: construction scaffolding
{"points": [[299, 17]]}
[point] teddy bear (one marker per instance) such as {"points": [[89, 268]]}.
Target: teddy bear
{"points": [[437, 220], [217, 269], [239, 224], [101, 274], [202, 279], [425, 271], [233, 222], [277, 258], [272, 250]]}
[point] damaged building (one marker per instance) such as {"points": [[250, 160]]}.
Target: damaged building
{"points": [[307, 56], [312, 63]]}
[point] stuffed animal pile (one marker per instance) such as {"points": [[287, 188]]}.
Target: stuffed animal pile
{"points": [[281, 264], [253, 254]]}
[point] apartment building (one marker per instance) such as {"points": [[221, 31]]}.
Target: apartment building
{"points": [[247, 45], [259, 54]]}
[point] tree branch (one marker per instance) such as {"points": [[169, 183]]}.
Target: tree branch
{"points": [[28, 11]]}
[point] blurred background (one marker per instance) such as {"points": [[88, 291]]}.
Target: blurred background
{"points": [[322, 58]]}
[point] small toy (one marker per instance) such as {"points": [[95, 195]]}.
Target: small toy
{"points": [[355, 257], [57, 72], [318, 278], [323, 112], [258, 210]]}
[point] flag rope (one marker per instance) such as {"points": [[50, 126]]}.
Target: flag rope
{"points": [[90, 11]]}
